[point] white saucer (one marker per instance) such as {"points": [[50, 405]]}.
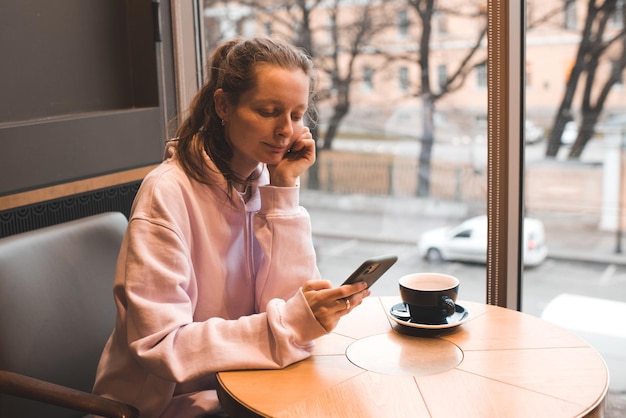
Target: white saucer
{"points": [[400, 314]]}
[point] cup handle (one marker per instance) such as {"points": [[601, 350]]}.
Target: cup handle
{"points": [[447, 305]]}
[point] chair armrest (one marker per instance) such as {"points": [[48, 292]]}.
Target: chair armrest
{"points": [[28, 387]]}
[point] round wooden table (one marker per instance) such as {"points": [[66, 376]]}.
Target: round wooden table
{"points": [[499, 362]]}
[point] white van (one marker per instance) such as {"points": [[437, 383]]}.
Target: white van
{"points": [[468, 242]]}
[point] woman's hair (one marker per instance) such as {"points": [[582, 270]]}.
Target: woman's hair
{"points": [[232, 69]]}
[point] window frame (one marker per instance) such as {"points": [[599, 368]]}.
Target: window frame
{"points": [[505, 151]]}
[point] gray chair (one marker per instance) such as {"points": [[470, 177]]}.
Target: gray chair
{"points": [[56, 313]]}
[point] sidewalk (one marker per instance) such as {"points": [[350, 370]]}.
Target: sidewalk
{"points": [[361, 217], [584, 244]]}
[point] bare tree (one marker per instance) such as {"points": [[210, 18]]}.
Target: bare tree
{"points": [[425, 10], [595, 45], [349, 40]]}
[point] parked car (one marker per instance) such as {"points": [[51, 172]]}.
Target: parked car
{"points": [[468, 242]]}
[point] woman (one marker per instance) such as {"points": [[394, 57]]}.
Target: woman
{"points": [[217, 269]]}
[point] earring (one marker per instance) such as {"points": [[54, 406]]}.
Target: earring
{"points": [[223, 123]]}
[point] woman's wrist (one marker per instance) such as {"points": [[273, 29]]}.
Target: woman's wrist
{"points": [[280, 181]]}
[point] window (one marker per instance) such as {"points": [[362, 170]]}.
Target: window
{"points": [[375, 177], [569, 13], [576, 190], [442, 76], [403, 79], [368, 79], [481, 76], [403, 23], [441, 23]]}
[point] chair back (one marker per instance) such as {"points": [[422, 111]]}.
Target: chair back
{"points": [[56, 305]]}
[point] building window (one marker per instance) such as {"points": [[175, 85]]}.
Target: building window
{"points": [[569, 14], [441, 23], [403, 79], [368, 79], [481, 76], [403, 23], [442, 77]]}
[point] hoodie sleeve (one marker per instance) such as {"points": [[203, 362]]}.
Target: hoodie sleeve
{"points": [[165, 339], [157, 294], [283, 230]]}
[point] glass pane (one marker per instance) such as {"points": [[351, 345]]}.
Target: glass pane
{"points": [[401, 151], [575, 173]]}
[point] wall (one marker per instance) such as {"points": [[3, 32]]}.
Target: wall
{"points": [[87, 95]]}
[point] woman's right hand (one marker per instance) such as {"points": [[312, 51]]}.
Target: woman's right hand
{"points": [[300, 157], [330, 304]]}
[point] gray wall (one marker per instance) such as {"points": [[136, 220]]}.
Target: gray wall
{"points": [[85, 89]]}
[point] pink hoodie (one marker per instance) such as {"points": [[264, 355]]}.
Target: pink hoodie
{"points": [[203, 285]]}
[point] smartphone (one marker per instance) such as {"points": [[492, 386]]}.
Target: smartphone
{"points": [[371, 270]]}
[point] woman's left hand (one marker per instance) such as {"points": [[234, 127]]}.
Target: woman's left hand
{"points": [[297, 160]]}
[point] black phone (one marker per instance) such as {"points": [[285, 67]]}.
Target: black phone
{"points": [[371, 270]]}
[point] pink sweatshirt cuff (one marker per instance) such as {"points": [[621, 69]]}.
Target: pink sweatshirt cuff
{"points": [[279, 200], [297, 316]]}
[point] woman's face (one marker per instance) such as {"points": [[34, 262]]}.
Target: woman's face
{"points": [[267, 119]]}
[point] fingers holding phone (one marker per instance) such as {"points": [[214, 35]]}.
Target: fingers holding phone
{"points": [[353, 296], [329, 304], [365, 275], [346, 304]]}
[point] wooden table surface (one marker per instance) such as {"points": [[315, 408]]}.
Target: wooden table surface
{"points": [[498, 363]]}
